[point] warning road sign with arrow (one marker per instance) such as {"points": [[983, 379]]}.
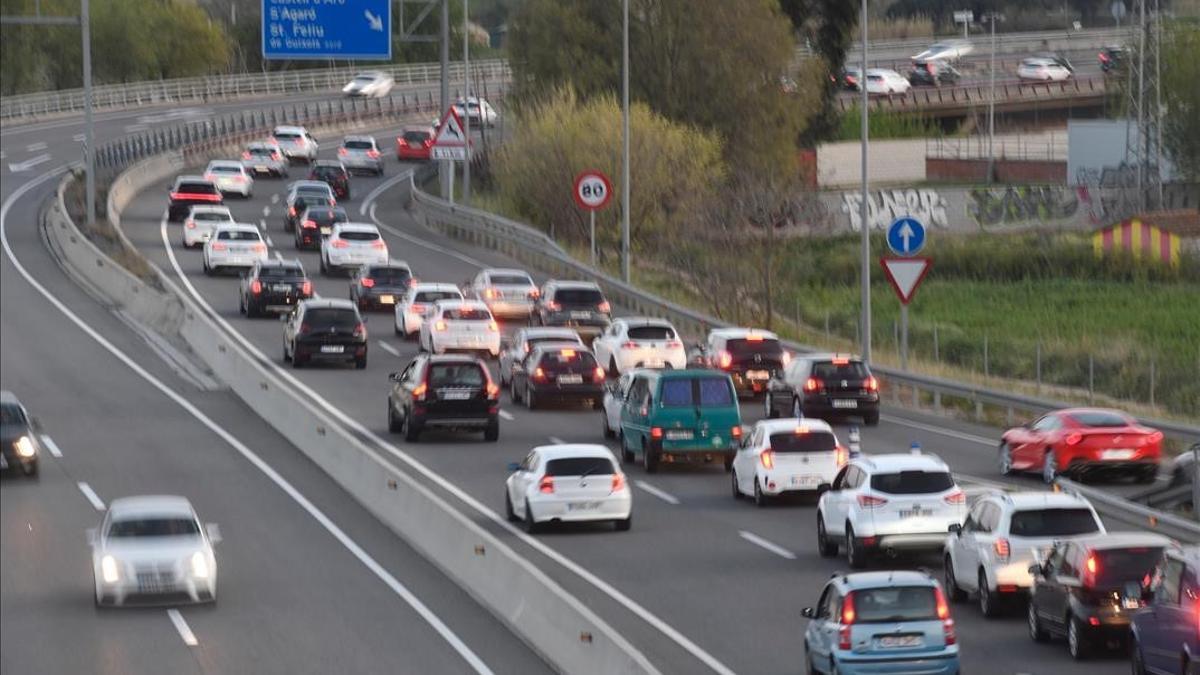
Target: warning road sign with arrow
{"points": [[905, 275], [450, 142]]}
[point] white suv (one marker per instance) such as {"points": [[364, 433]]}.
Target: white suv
{"points": [[787, 455], [352, 245], [639, 343], [889, 503], [296, 143], [991, 553]]}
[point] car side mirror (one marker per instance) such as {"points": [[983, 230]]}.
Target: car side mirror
{"points": [[1035, 569], [808, 613], [92, 536], [513, 467], [214, 533], [394, 377], [956, 529]]}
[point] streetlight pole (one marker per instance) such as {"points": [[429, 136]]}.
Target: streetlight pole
{"points": [[625, 143], [466, 190], [992, 105], [447, 167], [865, 320]]}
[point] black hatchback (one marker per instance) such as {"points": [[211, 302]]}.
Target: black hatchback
{"points": [[334, 174], [273, 286], [380, 286], [444, 391], [315, 223], [825, 386], [558, 372], [323, 330]]}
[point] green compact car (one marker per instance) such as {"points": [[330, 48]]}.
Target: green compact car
{"points": [[680, 416]]}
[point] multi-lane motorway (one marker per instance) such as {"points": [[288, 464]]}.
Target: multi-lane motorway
{"points": [[310, 581]]}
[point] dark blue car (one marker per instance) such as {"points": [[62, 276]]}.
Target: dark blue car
{"points": [[1166, 633]]}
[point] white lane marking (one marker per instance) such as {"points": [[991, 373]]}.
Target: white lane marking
{"points": [[443, 483], [3, 154], [773, 548], [79, 138], [388, 348], [269, 242], [185, 632], [557, 441], [262, 225], [400, 589], [504, 414], [369, 205], [275, 198], [266, 211], [278, 255], [661, 494], [17, 167], [91, 495], [35, 147], [402, 176], [938, 430], [51, 446], [130, 128]]}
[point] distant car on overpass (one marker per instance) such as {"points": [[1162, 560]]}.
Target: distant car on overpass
{"points": [[949, 50]]}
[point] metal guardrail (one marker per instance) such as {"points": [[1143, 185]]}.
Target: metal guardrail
{"points": [[226, 87], [1004, 41], [1142, 517], [1009, 95]]}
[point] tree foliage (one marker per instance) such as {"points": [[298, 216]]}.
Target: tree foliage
{"points": [[1181, 93]]}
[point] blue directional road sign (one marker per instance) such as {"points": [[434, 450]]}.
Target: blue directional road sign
{"points": [[327, 29], [906, 236]]}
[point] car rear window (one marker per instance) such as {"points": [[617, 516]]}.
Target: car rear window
{"points": [[416, 136], [287, 136], [531, 341], [896, 603], [455, 375], [212, 216], [197, 188], [261, 151], [359, 145], [326, 215], [578, 296], [510, 280], [238, 235], [329, 317], [466, 314], [912, 482], [154, 527], [651, 333], [1052, 523], [739, 347], [11, 414], [567, 361], [329, 172], [1115, 566], [356, 235], [580, 466], [1100, 419], [390, 275], [803, 442], [433, 296], [280, 272], [702, 391], [854, 370], [226, 169]]}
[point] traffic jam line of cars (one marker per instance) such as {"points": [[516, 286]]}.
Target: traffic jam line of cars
{"points": [[667, 405]]}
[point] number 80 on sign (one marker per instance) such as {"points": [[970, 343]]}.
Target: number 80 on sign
{"points": [[592, 190]]}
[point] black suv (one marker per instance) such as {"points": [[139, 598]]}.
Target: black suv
{"points": [[335, 174], [380, 286], [302, 199], [324, 330], [273, 286], [824, 386], [19, 446], [933, 73], [750, 356], [1111, 58], [189, 191], [558, 372], [444, 391], [1087, 589], [315, 223], [574, 304]]}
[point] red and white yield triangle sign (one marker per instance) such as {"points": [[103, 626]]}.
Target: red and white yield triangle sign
{"points": [[905, 274]]}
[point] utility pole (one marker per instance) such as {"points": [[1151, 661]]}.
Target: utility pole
{"points": [[447, 167], [865, 320], [991, 172], [625, 144], [466, 190]]}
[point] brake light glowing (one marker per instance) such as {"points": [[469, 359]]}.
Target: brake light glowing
{"points": [[1002, 549], [493, 390], [440, 325], [674, 344], [618, 482], [871, 501], [378, 243], [943, 613], [604, 307], [630, 345], [767, 458], [401, 142], [191, 224], [736, 432], [306, 288], [1154, 437], [196, 196], [291, 210], [245, 155], [368, 282], [956, 497], [1073, 438], [342, 151], [218, 246], [419, 391], [787, 358], [309, 225], [539, 374], [848, 617], [812, 384], [656, 433], [598, 374], [260, 248], [491, 293], [1092, 564], [360, 330], [373, 154], [418, 308], [841, 456], [339, 243], [553, 306], [493, 327], [535, 293], [800, 430], [568, 353], [428, 142], [840, 361], [256, 287], [724, 359], [546, 485], [871, 384]]}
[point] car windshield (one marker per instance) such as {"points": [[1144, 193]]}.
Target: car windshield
{"points": [[238, 235], [357, 235], [416, 136], [466, 314], [854, 370], [580, 466], [455, 375], [740, 347], [1100, 418], [11, 414], [359, 145], [699, 391], [803, 442], [212, 215], [651, 333], [912, 482], [897, 603], [330, 317], [154, 527], [1116, 566], [197, 188], [432, 296], [578, 296], [363, 79], [280, 272], [510, 280], [1052, 523], [395, 276]]}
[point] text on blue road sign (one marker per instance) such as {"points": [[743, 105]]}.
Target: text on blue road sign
{"points": [[327, 29]]}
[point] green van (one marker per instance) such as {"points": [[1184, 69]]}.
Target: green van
{"points": [[680, 416]]}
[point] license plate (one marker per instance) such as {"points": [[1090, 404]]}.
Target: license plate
{"points": [[452, 395], [260, 167], [570, 379], [387, 299], [915, 512], [1117, 453], [758, 375], [581, 315], [654, 363], [841, 403], [805, 480], [281, 288], [326, 231], [894, 641], [582, 506], [1130, 603], [332, 349], [680, 435]]}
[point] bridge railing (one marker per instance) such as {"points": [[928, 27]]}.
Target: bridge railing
{"points": [[1008, 93]]}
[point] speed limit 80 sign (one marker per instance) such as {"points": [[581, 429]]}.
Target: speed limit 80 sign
{"points": [[592, 190]]}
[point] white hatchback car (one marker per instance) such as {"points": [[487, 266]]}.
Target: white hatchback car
{"points": [[371, 83], [202, 221], [1043, 70], [411, 310], [352, 245], [153, 547], [236, 245], [460, 325], [991, 553], [507, 292], [787, 455], [296, 143], [886, 82], [889, 503], [568, 483], [639, 343], [231, 177]]}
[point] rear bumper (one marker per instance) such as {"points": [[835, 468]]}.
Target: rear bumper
{"points": [[510, 308], [778, 482], [360, 163], [459, 420], [344, 260], [1087, 466], [572, 392], [412, 155], [638, 358], [235, 260], [940, 663], [351, 351], [374, 299], [747, 386], [617, 507], [490, 343], [825, 406]]}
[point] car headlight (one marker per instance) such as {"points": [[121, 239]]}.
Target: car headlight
{"points": [[108, 569], [25, 447], [199, 565]]}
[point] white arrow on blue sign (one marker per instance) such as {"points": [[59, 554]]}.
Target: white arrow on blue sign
{"points": [[906, 236]]}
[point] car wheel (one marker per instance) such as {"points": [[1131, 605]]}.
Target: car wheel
{"points": [[855, 556], [491, 434], [649, 459], [530, 400], [241, 304], [297, 361], [1078, 644], [826, 547], [737, 493], [411, 433], [208, 271], [626, 454], [394, 425], [769, 407], [1050, 467], [1005, 459], [597, 403], [360, 363], [953, 591], [31, 469], [760, 499], [531, 525], [324, 269], [1036, 632], [989, 602], [624, 524], [1137, 665], [509, 514]]}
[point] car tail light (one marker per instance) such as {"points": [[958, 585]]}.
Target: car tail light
{"points": [[736, 433], [309, 225], [276, 156], [260, 248], [360, 330], [401, 142], [245, 155], [841, 361], [943, 613], [553, 306], [539, 374], [847, 620], [841, 456], [618, 482], [239, 179], [440, 325], [490, 293], [724, 359], [871, 501], [1074, 437], [1002, 549], [418, 308], [196, 196], [218, 246], [630, 345], [378, 243], [812, 384], [419, 391], [656, 433], [956, 497], [305, 329], [493, 390], [306, 288], [604, 307], [767, 458], [342, 152], [871, 384], [339, 243], [535, 294], [332, 201], [368, 282], [291, 210], [1092, 566], [787, 358], [674, 344], [413, 281], [493, 327], [209, 177], [191, 224], [1154, 437], [256, 287], [546, 485], [598, 374], [373, 154], [1104, 57]]}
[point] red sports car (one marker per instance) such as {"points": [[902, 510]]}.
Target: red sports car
{"points": [[414, 143], [1081, 442]]}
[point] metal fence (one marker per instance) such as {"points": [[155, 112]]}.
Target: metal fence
{"points": [[1045, 147], [1010, 95]]}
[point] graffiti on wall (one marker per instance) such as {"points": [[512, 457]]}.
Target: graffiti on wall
{"points": [[885, 206], [1020, 205]]}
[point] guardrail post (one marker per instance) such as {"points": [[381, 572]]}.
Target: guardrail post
{"points": [[978, 409], [1038, 365], [986, 371], [1152, 382], [1091, 379]]}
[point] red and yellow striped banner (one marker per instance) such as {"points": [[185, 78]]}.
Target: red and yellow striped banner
{"points": [[1143, 240]]}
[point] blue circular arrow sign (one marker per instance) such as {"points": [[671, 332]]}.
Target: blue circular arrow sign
{"points": [[906, 236]]}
